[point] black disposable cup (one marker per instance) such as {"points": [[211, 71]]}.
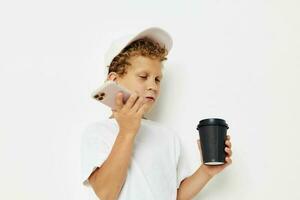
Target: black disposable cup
{"points": [[212, 133]]}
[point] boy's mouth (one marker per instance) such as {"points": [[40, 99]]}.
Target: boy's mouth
{"points": [[152, 98]]}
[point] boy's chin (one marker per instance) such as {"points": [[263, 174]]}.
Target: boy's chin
{"points": [[150, 107]]}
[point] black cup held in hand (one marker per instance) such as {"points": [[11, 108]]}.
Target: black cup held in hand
{"points": [[212, 134]]}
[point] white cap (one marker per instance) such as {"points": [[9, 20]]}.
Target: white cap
{"points": [[157, 34]]}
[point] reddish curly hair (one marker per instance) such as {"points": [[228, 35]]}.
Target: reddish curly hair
{"points": [[141, 47]]}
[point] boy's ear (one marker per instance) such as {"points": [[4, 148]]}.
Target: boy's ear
{"points": [[112, 76]]}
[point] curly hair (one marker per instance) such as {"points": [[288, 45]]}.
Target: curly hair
{"points": [[141, 47]]}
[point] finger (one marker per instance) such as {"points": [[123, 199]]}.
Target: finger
{"points": [[137, 104], [228, 137], [141, 111], [119, 102], [228, 143], [228, 160], [228, 151], [130, 101]]}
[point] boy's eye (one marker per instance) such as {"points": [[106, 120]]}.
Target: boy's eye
{"points": [[146, 77]]}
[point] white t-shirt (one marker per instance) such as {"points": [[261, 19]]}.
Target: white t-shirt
{"points": [[156, 167]]}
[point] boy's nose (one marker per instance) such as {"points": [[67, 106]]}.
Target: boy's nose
{"points": [[153, 86]]}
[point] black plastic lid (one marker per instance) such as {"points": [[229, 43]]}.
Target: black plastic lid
{"points": [[212, 122]]}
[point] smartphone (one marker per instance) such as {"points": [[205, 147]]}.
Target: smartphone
{"points": [[106, 93]]}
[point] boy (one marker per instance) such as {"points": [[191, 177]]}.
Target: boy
{"points": [[128, 156]]}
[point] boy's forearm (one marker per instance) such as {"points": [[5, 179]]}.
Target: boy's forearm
{"points": [[192, 185], [112, 174]]}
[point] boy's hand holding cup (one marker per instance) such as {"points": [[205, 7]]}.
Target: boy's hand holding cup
{"points": [[214, 145]]}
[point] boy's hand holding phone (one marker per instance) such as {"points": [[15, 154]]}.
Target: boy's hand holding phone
{"points": [[129, 115], [128, 108]]}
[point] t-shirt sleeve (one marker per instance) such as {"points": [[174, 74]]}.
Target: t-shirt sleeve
{"points": [[94, 150], [183, 168]]}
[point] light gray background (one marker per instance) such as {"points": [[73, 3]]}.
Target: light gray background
{"points": [[237, 60]]}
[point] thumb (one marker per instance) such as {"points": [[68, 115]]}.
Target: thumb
{"points": [[199, 147]]}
